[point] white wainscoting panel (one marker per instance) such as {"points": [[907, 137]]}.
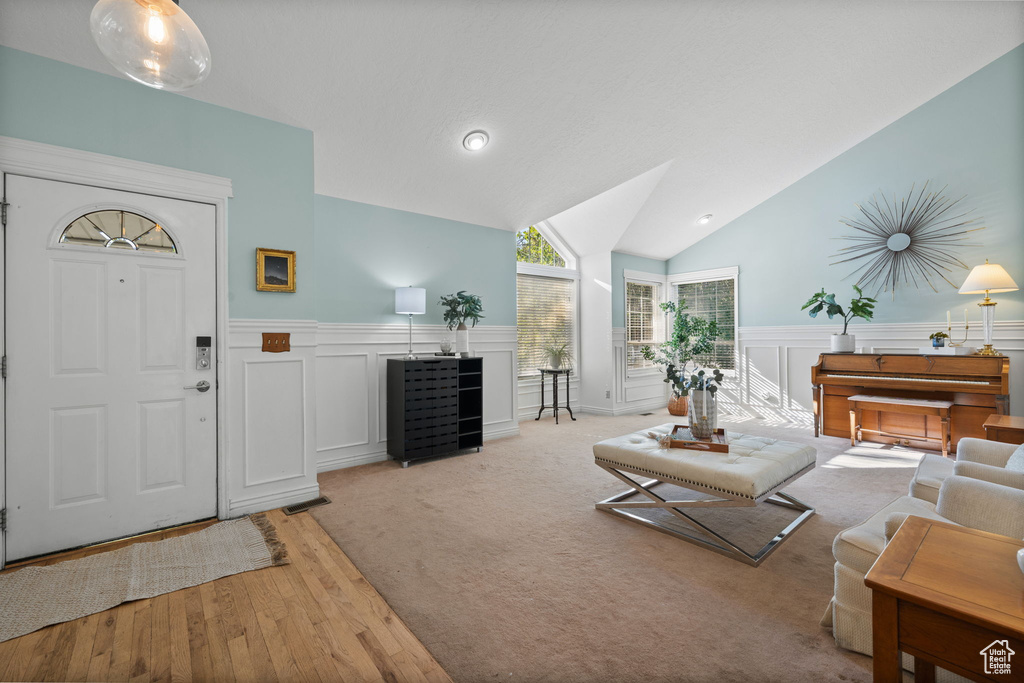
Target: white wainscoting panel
{"points": [[271, 417], [342, 408], [775, 362], [351, 385], [635, 391]]}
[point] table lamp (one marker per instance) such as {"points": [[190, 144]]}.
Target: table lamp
{"points": [[410, 301], [987, 278]]}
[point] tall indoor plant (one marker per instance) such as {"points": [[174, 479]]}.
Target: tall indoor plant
{"points": [[860, 307], [458, 309], [691, 336]]}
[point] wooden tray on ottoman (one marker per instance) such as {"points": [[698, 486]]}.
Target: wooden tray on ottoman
{"points": [[682, 438]]}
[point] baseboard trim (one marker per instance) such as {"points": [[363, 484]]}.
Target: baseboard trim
{"points": [[502, 433], [597, 410], [342, 461], [271, 501], [641, 407]]}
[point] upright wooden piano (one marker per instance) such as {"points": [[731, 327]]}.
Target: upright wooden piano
{"points": [[977, 385]]}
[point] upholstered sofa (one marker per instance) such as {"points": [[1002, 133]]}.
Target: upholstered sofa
{"points": [[975, 491]]}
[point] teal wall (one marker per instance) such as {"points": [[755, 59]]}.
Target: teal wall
{"points": [[363, 252], [269, 164], [970, 137], [623, 262]]}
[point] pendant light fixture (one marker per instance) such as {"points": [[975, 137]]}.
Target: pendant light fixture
{"points": [[151, 41]]}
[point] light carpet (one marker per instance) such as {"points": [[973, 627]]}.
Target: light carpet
{"points": [[34, 597], [500, 564]]}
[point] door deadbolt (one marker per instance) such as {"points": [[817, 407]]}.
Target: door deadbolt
{"points": [[200, 386], [203, 345]]}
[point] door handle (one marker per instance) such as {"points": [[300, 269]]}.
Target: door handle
{"points": [[201, 386]]}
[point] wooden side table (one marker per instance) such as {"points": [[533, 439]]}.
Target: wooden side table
{"points": [[1005, 428], [554, 380], [951, 597]]}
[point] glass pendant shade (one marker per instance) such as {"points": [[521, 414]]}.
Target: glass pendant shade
{"points": [[151, 41]]}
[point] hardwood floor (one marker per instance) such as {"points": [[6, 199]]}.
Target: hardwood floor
{"points": [[316, 619]]}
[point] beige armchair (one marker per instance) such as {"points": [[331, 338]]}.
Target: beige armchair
{"points": [[963, 500], [975, 458]]}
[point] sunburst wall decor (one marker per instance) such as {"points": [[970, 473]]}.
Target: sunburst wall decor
{"points": [[907, 240]]}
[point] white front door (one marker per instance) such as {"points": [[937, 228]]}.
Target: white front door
{"points": [[104, 440]]}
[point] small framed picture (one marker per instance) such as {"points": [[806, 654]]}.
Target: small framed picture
{"points": [[275, 270]]}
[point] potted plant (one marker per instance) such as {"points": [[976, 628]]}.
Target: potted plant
{"points": [[691, 337], [458, 309], [860, 307], [558, 355], [938, 339]]}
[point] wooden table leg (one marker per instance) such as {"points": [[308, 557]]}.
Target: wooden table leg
{"points": [[887, 667], [924, 671], [817, 408], [853, 428], [945, 435]]}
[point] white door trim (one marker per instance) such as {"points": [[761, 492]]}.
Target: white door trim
{"points": [[38, 160]]}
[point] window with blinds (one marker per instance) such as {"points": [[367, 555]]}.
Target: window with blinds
{"points": [[714, 300], [642, 318], [546, 316]]}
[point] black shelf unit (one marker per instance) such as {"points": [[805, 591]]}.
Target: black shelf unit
{"points": [[434, 407]]}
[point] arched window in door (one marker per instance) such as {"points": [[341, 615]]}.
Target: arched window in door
{"points": [[117, 229]]}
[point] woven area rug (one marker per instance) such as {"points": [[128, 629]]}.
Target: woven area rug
{"points": [[34, 597]]}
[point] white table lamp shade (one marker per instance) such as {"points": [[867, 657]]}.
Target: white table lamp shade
{"points": [[989, 277], [410, 300]]}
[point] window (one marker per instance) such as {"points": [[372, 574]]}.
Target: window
{"points": [[113, 229], [546, 317], [714, 300], [643, 321], [531, 247], [546, 297]]}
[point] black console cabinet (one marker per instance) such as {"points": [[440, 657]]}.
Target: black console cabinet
{"points": [[435, 407]]}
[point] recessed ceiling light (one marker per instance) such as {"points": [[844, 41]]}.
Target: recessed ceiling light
{"points": [[704, 220], [476, 140]]}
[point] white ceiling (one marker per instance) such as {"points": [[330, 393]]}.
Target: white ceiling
{"points": [[579, 96]]}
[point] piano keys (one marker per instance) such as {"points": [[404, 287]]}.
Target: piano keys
{"points": [[978, 386]]}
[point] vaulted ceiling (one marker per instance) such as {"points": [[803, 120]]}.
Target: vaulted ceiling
{"points": [[711, 106]]}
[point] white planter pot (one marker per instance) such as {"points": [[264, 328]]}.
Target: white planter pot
{"points": [[462, 340], [843, 343]]}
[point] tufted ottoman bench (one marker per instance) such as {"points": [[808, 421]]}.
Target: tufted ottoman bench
{"points": [[754, 470]]}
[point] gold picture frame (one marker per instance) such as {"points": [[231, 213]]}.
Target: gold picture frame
{"points": [[275, 270]]}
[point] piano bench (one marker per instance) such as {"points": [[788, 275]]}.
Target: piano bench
{"points": [[906, 406]]}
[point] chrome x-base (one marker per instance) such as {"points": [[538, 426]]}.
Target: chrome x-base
{"points": [[619, 506]]}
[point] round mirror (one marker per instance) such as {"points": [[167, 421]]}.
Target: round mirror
{"points": [[898, 242]]}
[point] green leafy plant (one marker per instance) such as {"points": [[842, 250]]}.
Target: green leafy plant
{"points": [[558, 354], [691, 337], [460, 308], [860, 307], [938, 335]]}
